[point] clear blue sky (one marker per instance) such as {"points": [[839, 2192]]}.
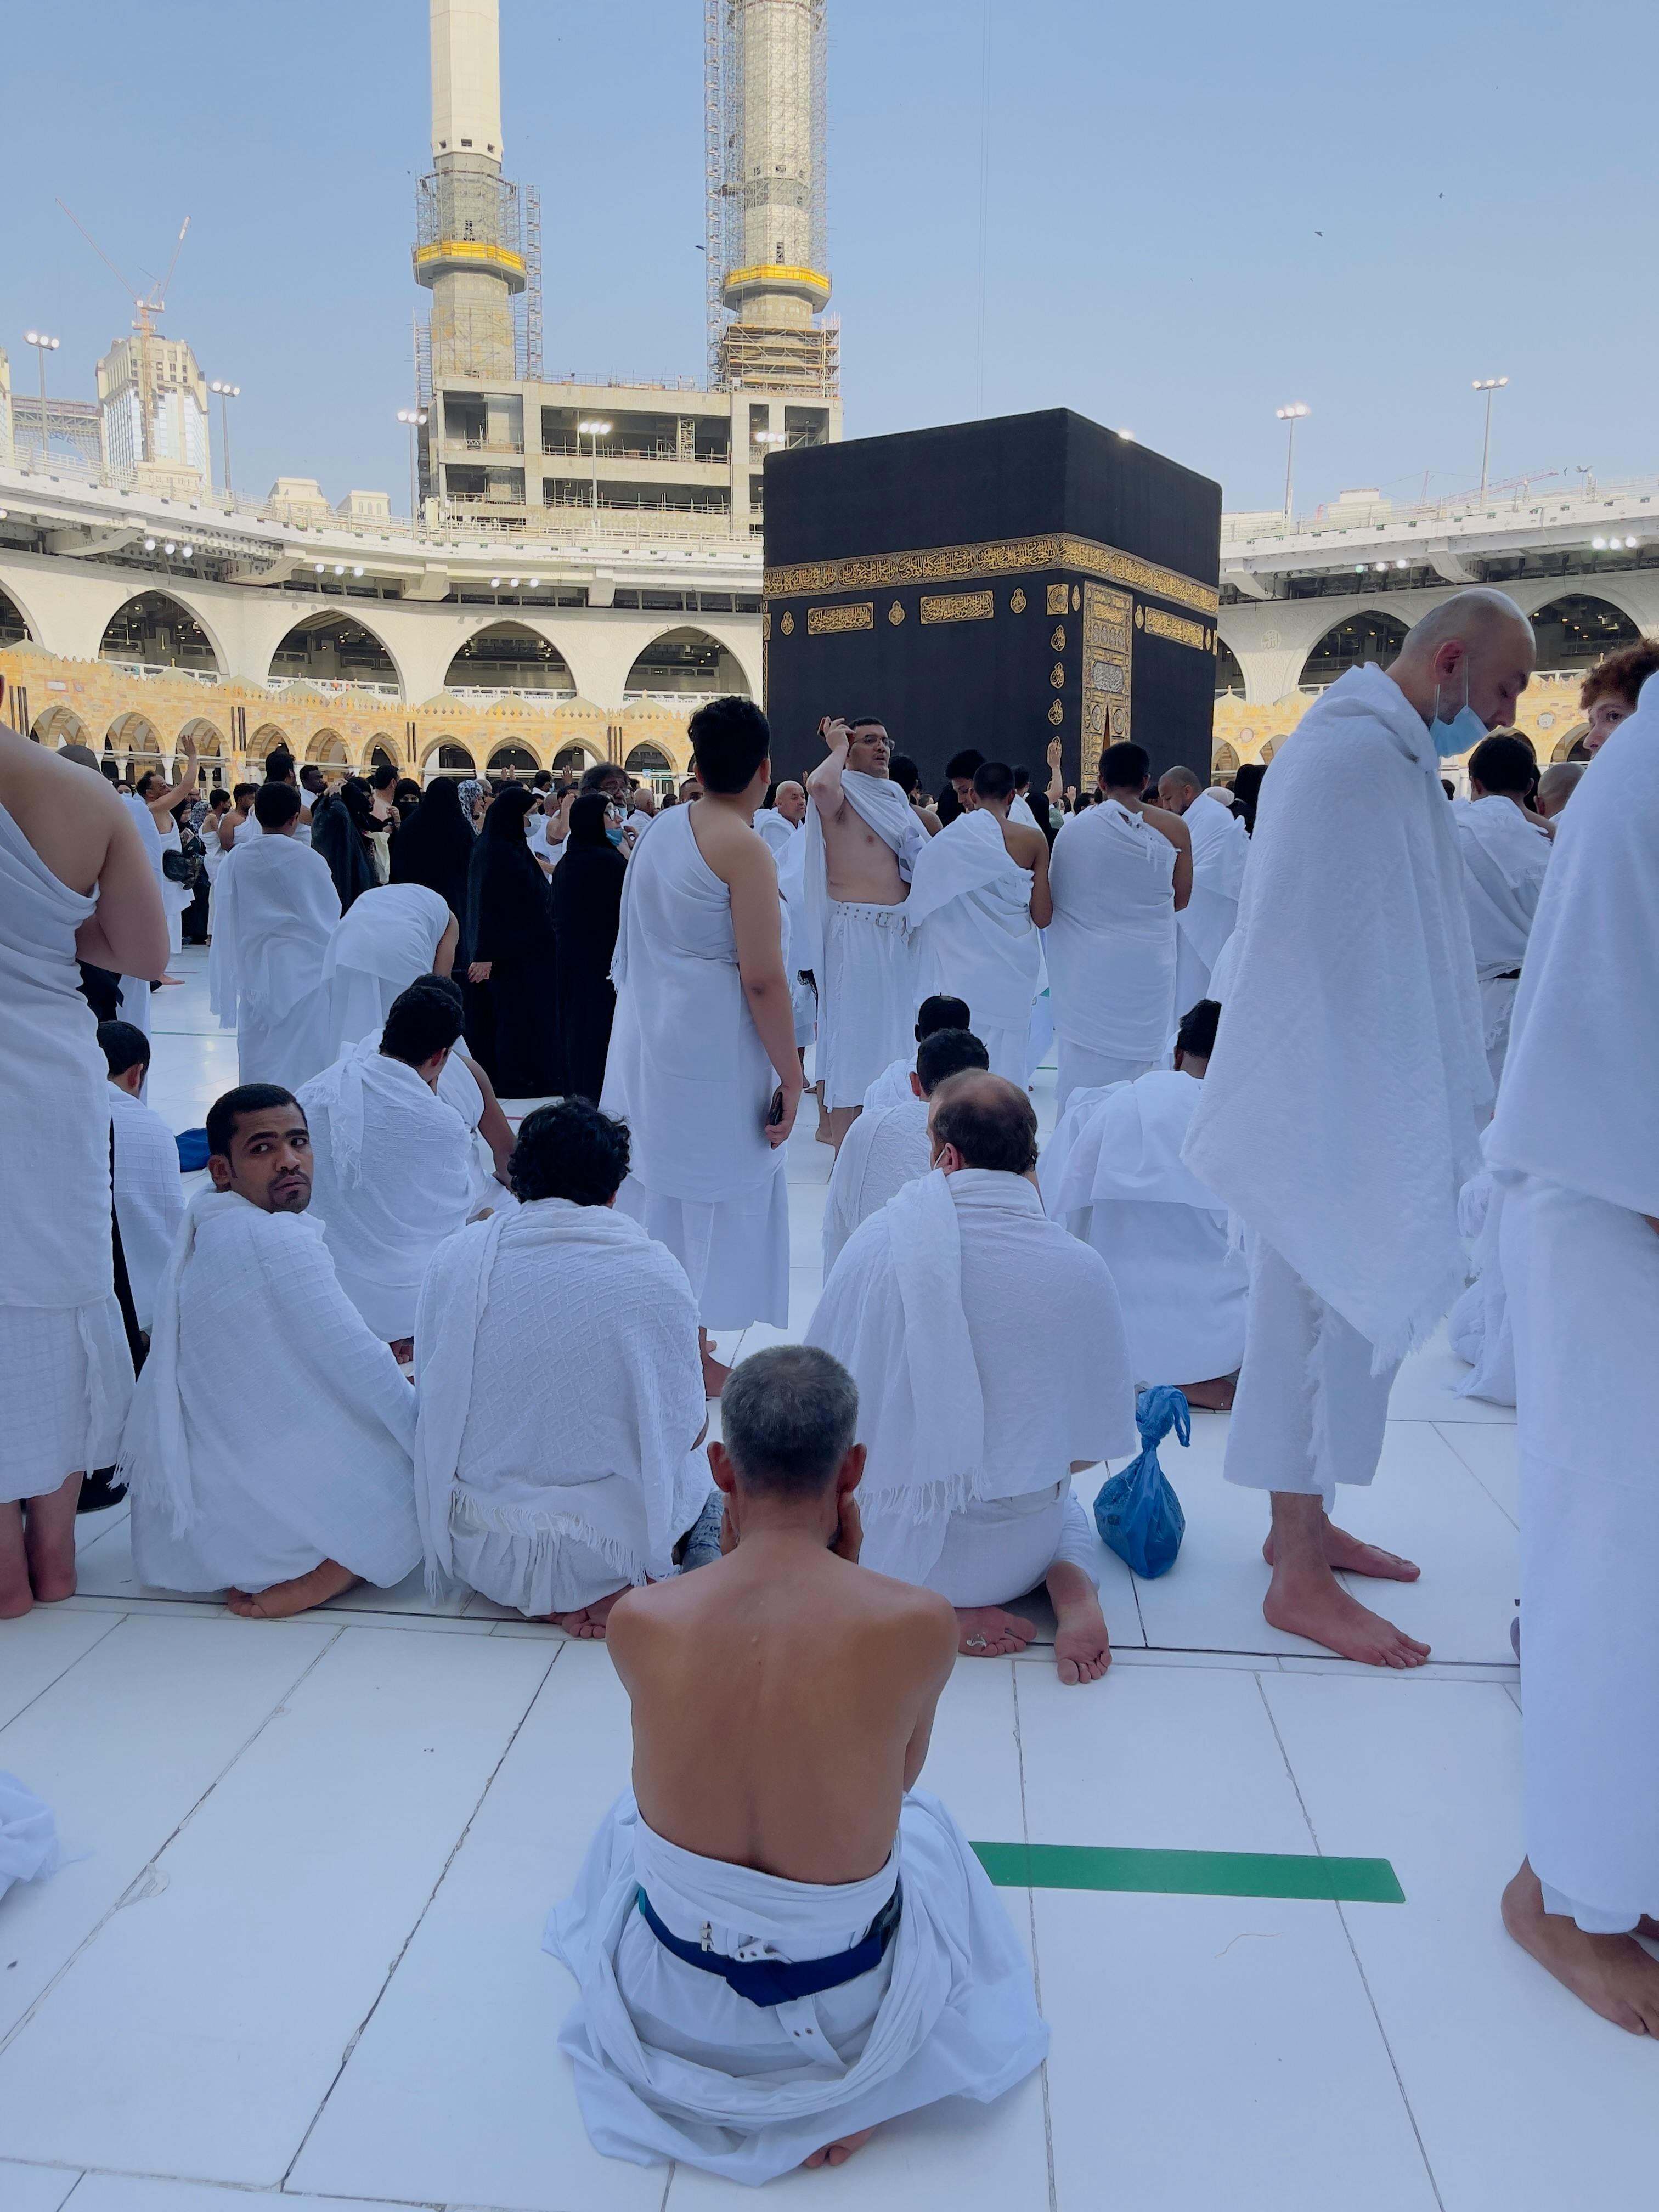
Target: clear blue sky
{"points": [[1192, 214]]}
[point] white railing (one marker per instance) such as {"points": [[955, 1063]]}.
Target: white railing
{"points": [[331, 684], [670, 698], [147, 669], [1536, 501], [533, 695]]}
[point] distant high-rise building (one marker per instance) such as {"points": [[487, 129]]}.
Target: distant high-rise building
{"points": [[153, 410]]}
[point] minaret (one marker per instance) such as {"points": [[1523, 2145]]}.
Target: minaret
{"points": [[469, 248], [767, 191]]}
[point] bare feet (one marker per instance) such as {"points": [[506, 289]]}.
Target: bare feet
{"points": [[402, 1349], [1347, 1555], [590, 1621], [1212, 1397], [1307, 1600], [1612, 1974], [49, 1541], [1082, 1650], [838, 2153], [284, 1599], [714, 1372], [16, 1595], [842, 1119], [986, 1631]]}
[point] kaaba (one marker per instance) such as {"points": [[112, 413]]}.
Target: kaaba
{"points": [[997, 584]]}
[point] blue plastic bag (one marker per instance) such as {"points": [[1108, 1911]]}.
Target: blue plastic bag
{"points": [[1137, 1512], [192, 1149]]}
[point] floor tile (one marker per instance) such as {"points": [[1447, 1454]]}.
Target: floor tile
{"points": [[105, 1568], [1216, 2052], [1491, 1452], [117, 2192], [1172, 1758], [277, 1913], [1524, 2098], [1426, 1389], [122, 1748], [973, 1761], [89, 1527], [35, 2188], [37, 1650], [949, 2155], [456, 2092]]}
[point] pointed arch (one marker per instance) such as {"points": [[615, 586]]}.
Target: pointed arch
{"points": [[15, 628], [328, 748], [1368, 635], [1578, 628], [330, 647], [265, 740], [685, 662], [511, 656], [161, 631]]}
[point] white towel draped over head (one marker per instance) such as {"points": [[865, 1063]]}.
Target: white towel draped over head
{"points": [[1578, 1104], [390, 1178], [1111, 947], [1338, 1116], [885, 1148], [386, 937], [878, 802], [579, 1299], [269, 1428], [671, 2063], [275, 907], [1505, 854], [941, 1305], [1220, 849], [971, 902], [1124, 1142], [149, 1199]]}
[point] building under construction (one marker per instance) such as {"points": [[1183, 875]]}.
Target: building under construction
{"points": [[503, 447]]}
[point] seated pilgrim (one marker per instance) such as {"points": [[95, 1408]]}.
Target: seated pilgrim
{"points": [[389, 935], [560, 1388], [149, 1199], [463, 1084], [887, 1147], [287, 1494], [1113, 1174], [943, 1305], [892, 1086], [390, 1160], [780, 1942]]}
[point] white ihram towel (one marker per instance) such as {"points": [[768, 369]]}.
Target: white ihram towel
{"points": [[274, 911], [387, 939], [971, 906], [1112, 1173], [885, 1148], [1505, 854], [1203, 926], [66, 1374], [149, 1199], [942, 1306], [878, 802], [671, 2063], [246, 1482], [560, 1398], [1111, 945], [29, 1835], [1338, 1116], [391, 1179]]}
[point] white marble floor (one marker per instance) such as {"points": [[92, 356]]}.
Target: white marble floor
{"points": [[296, 1950]]}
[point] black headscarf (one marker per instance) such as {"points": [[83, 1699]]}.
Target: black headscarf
{"points": [[340, 827], [433, 847], [1247, 787], [509, 908], [587, 888]]}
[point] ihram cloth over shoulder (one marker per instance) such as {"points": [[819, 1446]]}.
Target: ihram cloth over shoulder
{"points": [[1338, 1116], [970, 901], [387, 937], [149, 1199], [555, 1348], [941, 1305], [882, 806], [65, 1373], [250, 1482], [275, 909], [1203, 926], [885, 1148], [1111, 945], [391, 1178]]}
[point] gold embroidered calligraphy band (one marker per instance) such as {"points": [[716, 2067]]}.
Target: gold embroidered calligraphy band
{"points": [[821, 621], [958, 606], [992, 557]]}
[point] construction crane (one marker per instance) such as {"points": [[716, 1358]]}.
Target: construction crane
{"points": [[147, 306]]}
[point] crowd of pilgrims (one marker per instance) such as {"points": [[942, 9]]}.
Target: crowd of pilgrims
{"points": [[1249, 1195]]}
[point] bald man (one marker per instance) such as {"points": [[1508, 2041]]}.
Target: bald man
{"points": [[1556, 786], [1219, 850], [1353, 1018]]}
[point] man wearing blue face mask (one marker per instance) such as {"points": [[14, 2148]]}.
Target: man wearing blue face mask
{"points": [[1340, 1109]]}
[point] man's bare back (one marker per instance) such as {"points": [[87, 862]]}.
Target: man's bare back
{"points": [[783, 1697], [859, 867]]}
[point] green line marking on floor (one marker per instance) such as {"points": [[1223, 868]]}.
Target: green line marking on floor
{"points": [[1192, 1873]]}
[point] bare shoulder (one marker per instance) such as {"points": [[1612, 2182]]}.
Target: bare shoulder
{"points": [[1171, 825], [737, 854], [1023, 845], [917, 1616], [930, 820]]}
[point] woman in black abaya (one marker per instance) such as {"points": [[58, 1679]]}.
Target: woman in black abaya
{"points": [[435, 847], [341, 827], [510, 923], [588, 888]]}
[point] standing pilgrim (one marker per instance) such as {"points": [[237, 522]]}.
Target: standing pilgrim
{"points": [[1338, 1116], [1505, 852], [978, 898], [1220, 849], [703, 1065], [389, 936], [151, 808], [783, 825], [275, 909], [75, 884], [864, 838], [150, 1201], [1580, 1249], [587, 891], [1120, 874], [510, 925]]}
